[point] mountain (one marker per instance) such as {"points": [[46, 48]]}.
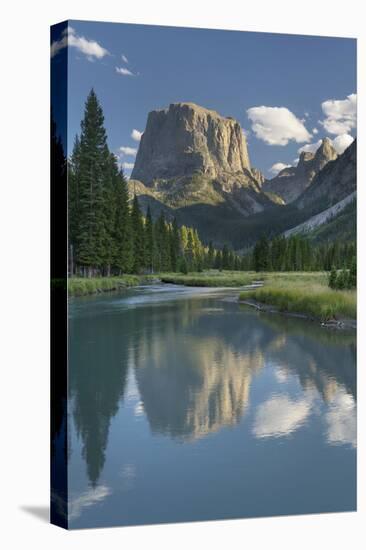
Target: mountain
{"points": [[328, 222], [194, 165], [328, 205], [186, 139], [292, 181], [334, 182], [325, 211]]}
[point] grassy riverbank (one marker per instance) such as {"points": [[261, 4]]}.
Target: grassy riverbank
{"points": [[211, 278], [84, 286], [304, 293]]}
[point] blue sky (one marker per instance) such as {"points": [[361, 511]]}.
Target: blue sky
{"points": [[274, 85]]}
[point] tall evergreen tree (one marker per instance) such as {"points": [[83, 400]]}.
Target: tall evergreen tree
{"points": [[149, 242], [93, 159], [261, 255], [210, 256], [353, 273], [175, 247], [74, 203], [110, 186], [225, 258], [190, 251], [218, 260], [138, 247], [123, 261]]}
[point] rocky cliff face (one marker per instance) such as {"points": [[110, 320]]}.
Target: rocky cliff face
{"points": [[193, 164], [186, 139], [258, 176], [335, 181], [291, 182]]}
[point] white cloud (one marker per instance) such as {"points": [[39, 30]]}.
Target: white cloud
{"points": [[128, 151], [281, 375], [277, 125], [70, 38], [340, 114], [310, 148], [295, 161], [341, 142], [277, 167], [87, 499], [124, 58], [280, 416], [127, 165], [315, 131], [341, 419], [139, 409], [136, 135], [124, 71]]}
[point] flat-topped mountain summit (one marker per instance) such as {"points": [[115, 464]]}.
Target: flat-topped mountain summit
{"points": [[186, 139], [193, 164]]}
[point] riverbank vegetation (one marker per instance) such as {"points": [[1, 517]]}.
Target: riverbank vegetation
{"points": [[212, 278], [304, 293], [343, 279], [82, 286]]}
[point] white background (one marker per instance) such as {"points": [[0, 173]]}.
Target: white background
{"points": [[24, 301]]}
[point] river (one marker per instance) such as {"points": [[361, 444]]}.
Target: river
{"points": [[185, 405]]}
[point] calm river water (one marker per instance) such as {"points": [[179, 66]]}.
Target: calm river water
{"points": [[184, 405]]}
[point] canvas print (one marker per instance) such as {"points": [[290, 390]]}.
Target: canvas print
{"points": [[204, 270]]}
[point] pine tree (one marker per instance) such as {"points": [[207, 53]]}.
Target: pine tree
{"points": [[190, 251], [93, 159], [210, 256], [175, 247], [110, 185], [149, 242], [162, 244], [332, 280], [218, 260], [353, 273], [182, 265], [74, 203], [184, 238], [342, 280], [237, 263], [225, 258], [261, 255], [123, 261], [137, 237]]}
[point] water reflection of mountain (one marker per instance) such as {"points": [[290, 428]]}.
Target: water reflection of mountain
{"points": [[194, 376], [194, 362], [205, 387], [322, 358], [325, 363]]}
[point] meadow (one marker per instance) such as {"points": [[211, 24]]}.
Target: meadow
{"points": [[305, 293]]}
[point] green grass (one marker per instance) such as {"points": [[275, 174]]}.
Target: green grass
{"points": [[211, 278], [78, 286], [84, 286], [306, 293]]}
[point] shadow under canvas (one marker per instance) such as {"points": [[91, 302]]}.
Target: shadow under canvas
{"points": [[40, 512]]}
